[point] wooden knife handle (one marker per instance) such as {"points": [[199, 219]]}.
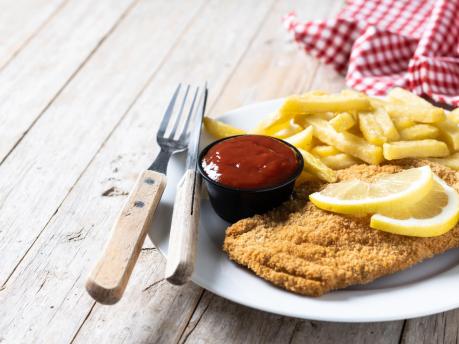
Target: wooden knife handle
{"points": [[184, 229], [110, 276]]}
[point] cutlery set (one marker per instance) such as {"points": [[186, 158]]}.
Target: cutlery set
{"points": [[179, 131]]}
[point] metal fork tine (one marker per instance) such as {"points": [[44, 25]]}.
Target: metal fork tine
{"points": [[186, 129], [168, 113], [179, 115]]}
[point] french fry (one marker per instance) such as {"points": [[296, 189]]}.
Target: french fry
{"points": [[449, 132], [451, 161], [403, 96], [303, 139], [305, 177], [219, 129], [370, 129], [339, 161], [352, 93], [286, 129], [419, 132], [311, 104], [416, 112], [402, 122], [386, 124], [342, 121], [323, 150], [415, 149], [269, 125], [453, 116], [346, 142], [316, 167]]}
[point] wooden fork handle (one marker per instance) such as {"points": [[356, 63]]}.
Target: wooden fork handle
{"points": [[184, 229], [109, 278]]}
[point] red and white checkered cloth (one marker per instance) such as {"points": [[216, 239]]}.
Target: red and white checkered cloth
{"points": [[380, 44]]}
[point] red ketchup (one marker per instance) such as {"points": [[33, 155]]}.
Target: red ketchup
{"points": [[250, 162]]}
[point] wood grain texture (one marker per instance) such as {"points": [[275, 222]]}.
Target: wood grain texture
{"points": [[438, 328], [163, 316], [29, 84], [228, 322], [62, 186], [184, 229], [273, 66], [56, 265], [49, 160], [111, 274], [20, 20]]}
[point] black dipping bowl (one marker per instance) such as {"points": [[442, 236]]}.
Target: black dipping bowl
{"points": [[233, 204]]}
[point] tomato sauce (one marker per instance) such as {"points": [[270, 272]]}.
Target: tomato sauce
{"points": [[250, 162]]}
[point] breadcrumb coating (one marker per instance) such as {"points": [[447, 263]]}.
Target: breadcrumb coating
{"points": [[309, 251]]}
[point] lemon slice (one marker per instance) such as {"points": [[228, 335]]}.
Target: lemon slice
{"points": [[434, 215], [360, 197]]}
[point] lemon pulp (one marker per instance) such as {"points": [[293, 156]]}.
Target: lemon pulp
{"points": [[387, 191], [435, 214]]}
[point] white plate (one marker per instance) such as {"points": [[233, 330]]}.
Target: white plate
{"points": [[427, 288]]}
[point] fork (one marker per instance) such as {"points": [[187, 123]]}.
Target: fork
{"points": [[108, 280]]}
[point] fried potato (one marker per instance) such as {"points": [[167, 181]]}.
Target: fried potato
{"points": [[302, 140], [324, 150], [453, 116], [305, 177], [286, 129], [317, 168], [415, 113], [420, 132], [386, 124], [449, 132], [346, 142], [403, 96], [404, 103], [342, 121], [312, 104], [339, 161], [352, 93], [402, 122], [270, 124], [301, 119], [451, 161], [415, 149], [219, 129], [370, 129]]}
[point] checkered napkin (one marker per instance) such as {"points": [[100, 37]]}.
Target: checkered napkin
{"points": [[380, 44]]}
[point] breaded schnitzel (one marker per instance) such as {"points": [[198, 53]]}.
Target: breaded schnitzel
{"points": [[304, 249]]}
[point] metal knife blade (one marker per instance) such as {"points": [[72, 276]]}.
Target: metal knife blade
{"points": [[193, 146]]}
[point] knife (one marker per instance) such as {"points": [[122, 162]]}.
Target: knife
{"points": [[185, 216]]}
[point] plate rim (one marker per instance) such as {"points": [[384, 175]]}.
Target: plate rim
{"points": [[349, 317]]}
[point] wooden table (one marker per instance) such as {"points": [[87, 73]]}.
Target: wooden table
{"points": [[83, 85]]}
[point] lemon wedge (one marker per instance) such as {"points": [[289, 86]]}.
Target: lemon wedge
{"points": [[434, 215], [388, 191]]}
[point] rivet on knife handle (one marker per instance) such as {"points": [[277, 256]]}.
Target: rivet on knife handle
{"points": [[109, 278]]}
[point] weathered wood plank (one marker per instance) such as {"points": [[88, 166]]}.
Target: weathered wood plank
{"points": [[227, 322], [49, 160], [438, 328], [164, 319], [358, 333], [273, 66], [38, 73], [19, 22], [223, 321], [56, 267]]}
